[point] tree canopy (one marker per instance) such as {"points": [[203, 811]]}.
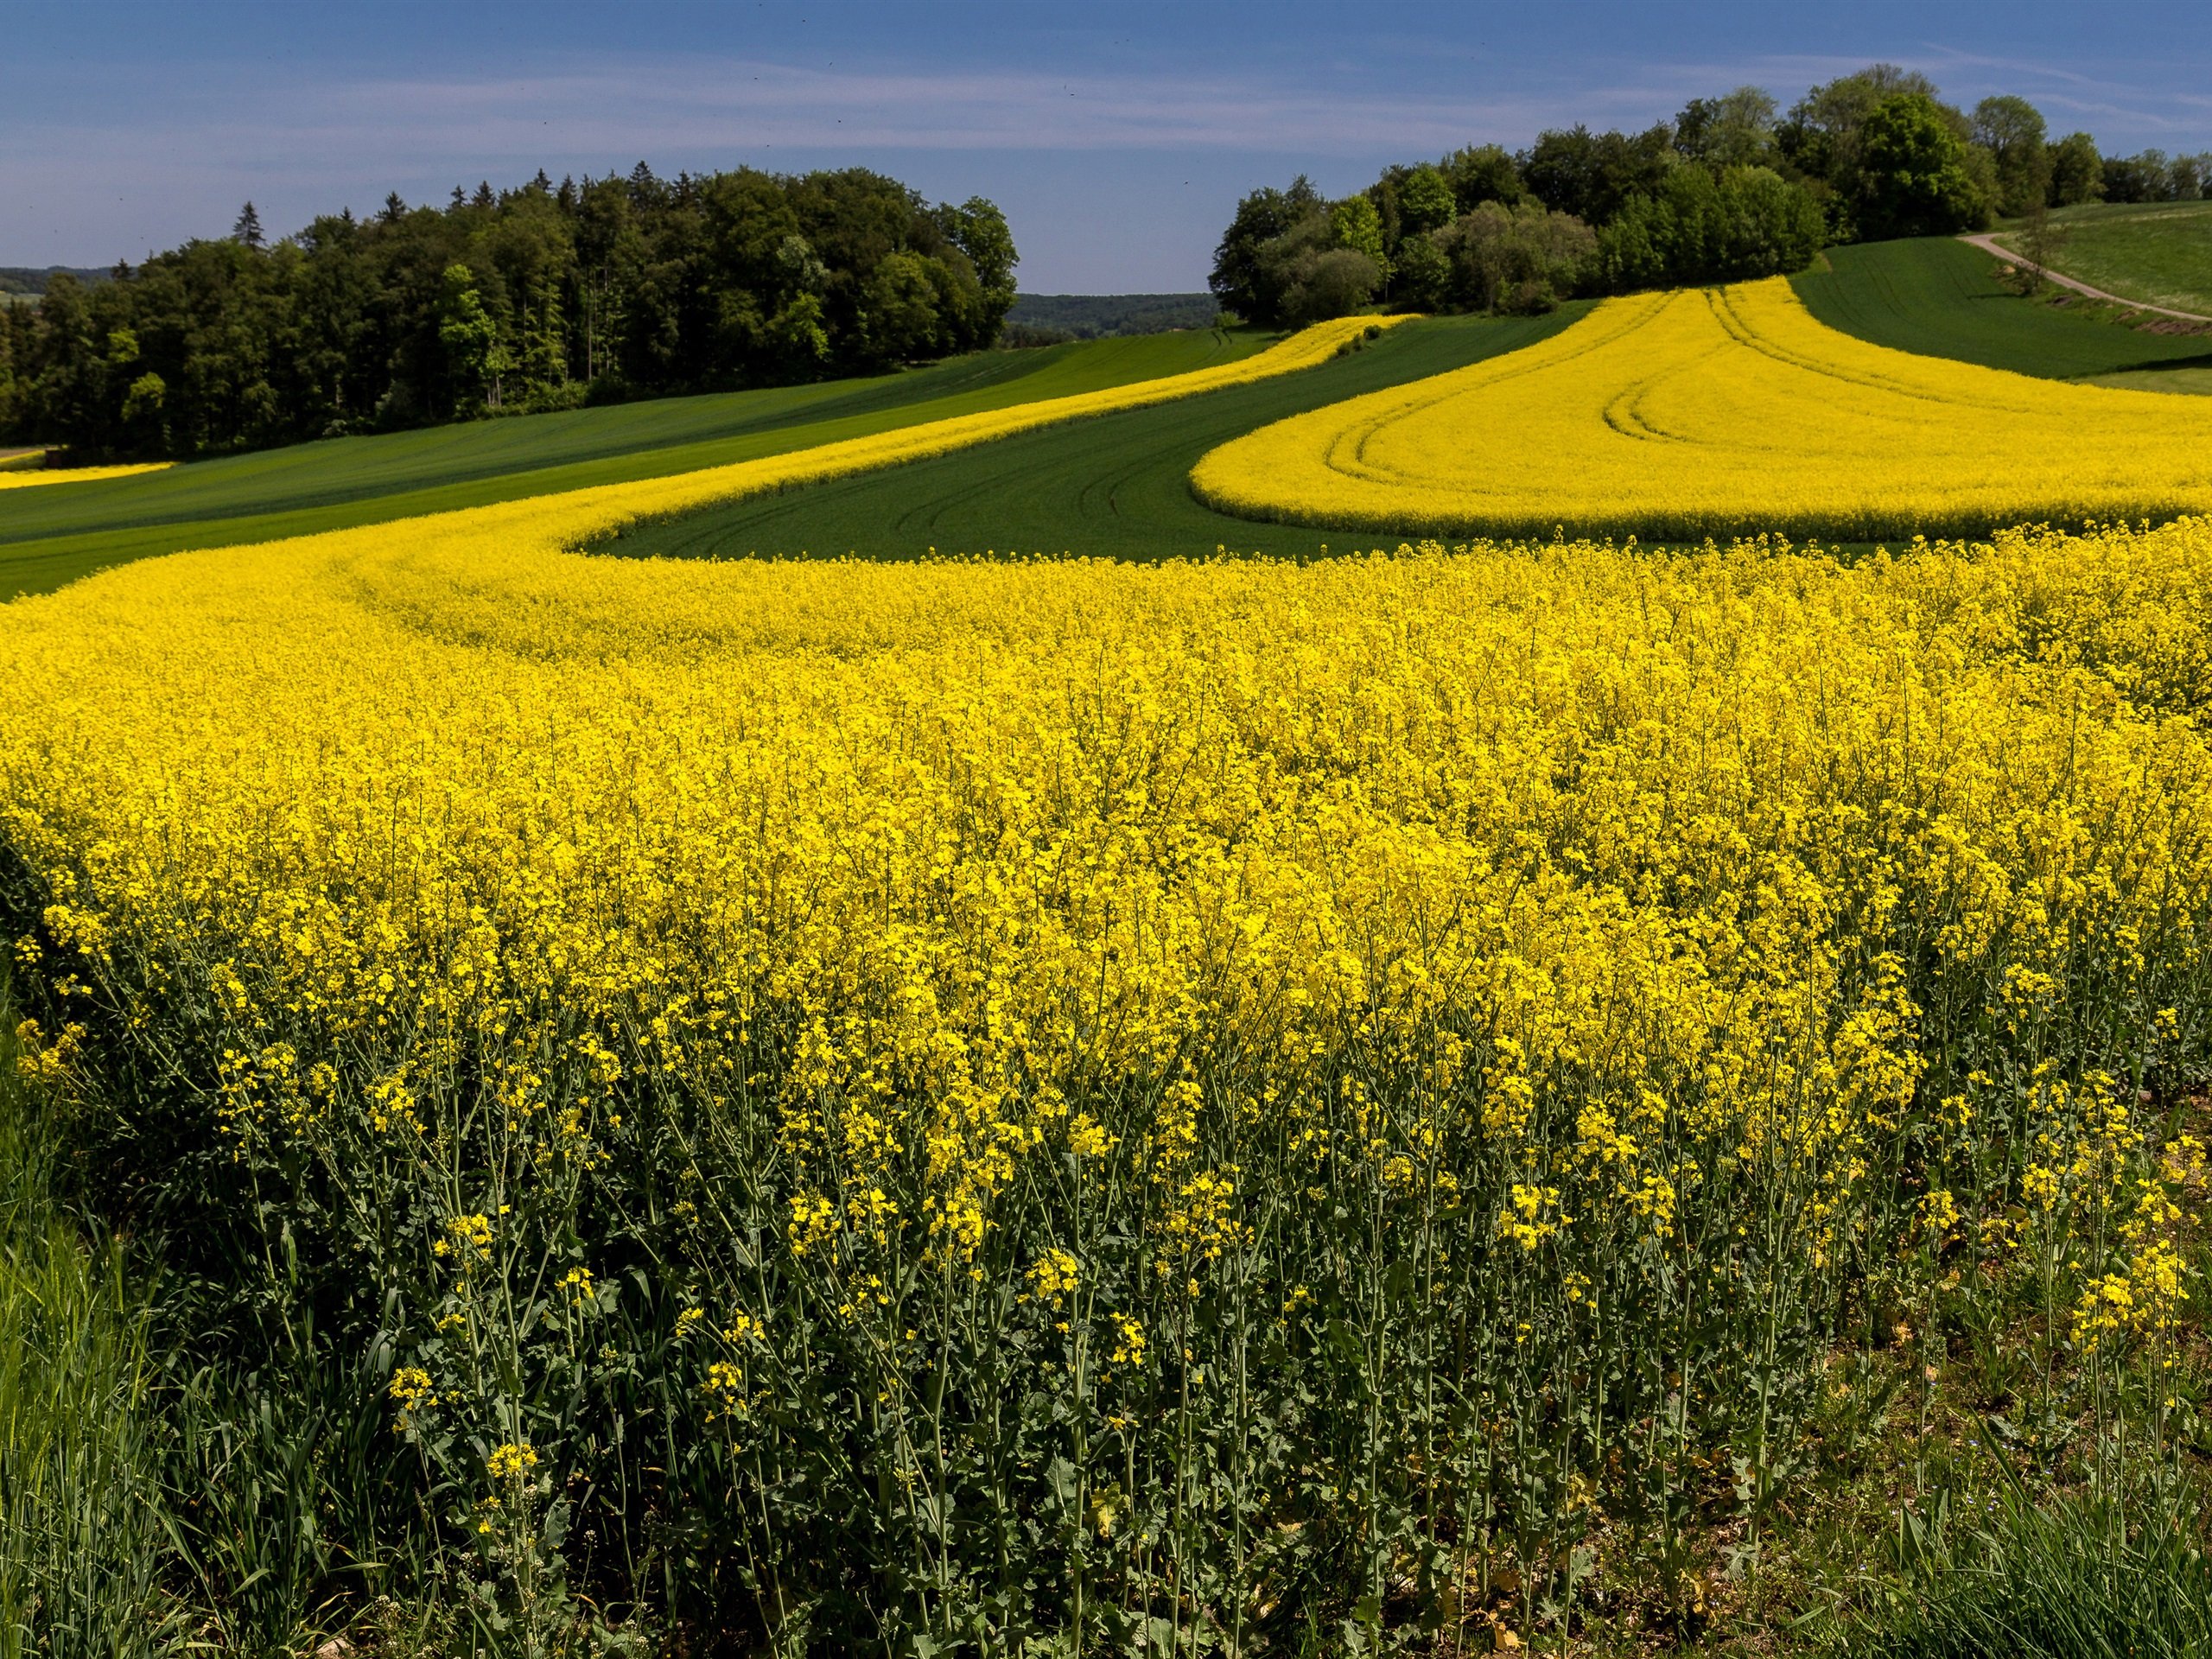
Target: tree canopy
{"points": [[1731, 188], [542, 297], [1912, 177]]}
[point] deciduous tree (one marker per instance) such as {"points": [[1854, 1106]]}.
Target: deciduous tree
{"points": [[1912, 174]]}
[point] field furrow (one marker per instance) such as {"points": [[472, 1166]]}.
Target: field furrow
{"points": [[1773, 423]]}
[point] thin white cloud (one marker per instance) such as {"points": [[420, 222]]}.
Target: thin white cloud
{"points": [[687, 106], [2105, 99], [712, 108], [127, 160], [668, 105]]}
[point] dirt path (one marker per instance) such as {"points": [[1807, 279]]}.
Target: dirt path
{"points": [[1989, 244]]}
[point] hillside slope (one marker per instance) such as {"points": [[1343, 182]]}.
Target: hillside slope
{"points": [[1941, 298], [2159, 252], [1117, 487], [45, 542]]}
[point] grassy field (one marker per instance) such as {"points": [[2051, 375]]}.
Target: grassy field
{"points": [[2159, 252], [1119, 488], [160, 1482], [1942, 298], [1115, 487], [2194, 382], [346, 481]]}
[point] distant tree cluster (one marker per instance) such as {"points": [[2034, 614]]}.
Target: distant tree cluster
{"points": [[542, 297], [21, 280], [1733, 188], [2155, 176], [1056, 319]]}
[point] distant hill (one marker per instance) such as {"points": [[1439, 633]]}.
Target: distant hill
{"points": [[23, 279], [2156, 251], [1090, 316]]}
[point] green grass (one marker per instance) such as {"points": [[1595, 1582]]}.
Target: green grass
{"points": [[2073, 1580], [1942, 298], [1116, 486], [171, 1484], [47, 540], [83, 1546], [2159, 252], [2194, 382]]}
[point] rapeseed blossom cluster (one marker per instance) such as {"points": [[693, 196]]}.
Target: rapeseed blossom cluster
{"points": [[1374, 1051], [1719, 412]]}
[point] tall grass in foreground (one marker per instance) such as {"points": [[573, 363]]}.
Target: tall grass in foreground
{"points": [[83, 1543], [2073, 1581], [169, 1485]]}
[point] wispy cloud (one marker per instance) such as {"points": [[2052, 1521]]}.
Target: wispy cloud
{"points": [[689, 105], [2068, 95], [128, 156], [710, 107]]}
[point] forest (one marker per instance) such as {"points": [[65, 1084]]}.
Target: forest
{"points": [[546, 296], [1733, 188]]}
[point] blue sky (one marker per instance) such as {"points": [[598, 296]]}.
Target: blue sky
{"points": [[1116, 136]]}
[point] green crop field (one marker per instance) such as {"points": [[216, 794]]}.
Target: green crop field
{"points": [[1941, 297], [48, 537], [2159, 252], [1116, 486]]}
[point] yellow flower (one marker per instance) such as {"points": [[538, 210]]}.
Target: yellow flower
{"points": [[411, 1388], [1939, 1214], [1053, 1275], [467, 1237], [1534, 1217], [1129, 1341], [15, 479], [1719, 412]]}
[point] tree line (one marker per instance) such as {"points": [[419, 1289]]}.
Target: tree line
{"points": [[547, 297], [1055, 319], [1733, 188]]}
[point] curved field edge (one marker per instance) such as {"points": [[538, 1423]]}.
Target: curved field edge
{"points": [[1936, 296], [1304, 350], [1738, 451], [572, 519], [1121, 489], [311, 489], [1114, 487], [19, 477]]}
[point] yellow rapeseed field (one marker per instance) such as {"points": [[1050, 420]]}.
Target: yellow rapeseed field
{"points": [[11, 479], [1721, 411], [1194, 1067], [586, 513], [607, 509]]}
